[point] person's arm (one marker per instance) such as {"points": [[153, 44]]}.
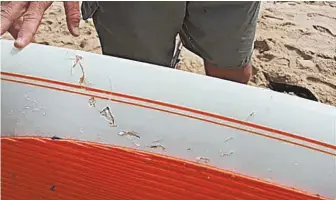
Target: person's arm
{"points": [[22, 19]]}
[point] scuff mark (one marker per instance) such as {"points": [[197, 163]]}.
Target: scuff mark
{"points": [[55, 138], [107, 114], [92, 102], [227, 154], [136, 144], [157, 145], [129, 133], [228, 139], [78, 62], [201, 159], [250, 115]]}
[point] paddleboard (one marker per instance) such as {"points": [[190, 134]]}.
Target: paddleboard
{"points": [[78, 125]]}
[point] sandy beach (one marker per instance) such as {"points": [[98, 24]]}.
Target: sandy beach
{"points": [[295, 44]]}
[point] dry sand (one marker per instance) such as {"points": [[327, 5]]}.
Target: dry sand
{"points": [[295, 44]]}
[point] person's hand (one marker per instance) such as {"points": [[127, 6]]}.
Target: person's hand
{"points": [[21, 19]]}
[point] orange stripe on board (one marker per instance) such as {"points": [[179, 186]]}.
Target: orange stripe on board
{"points": [[41, 168], [268, 129], [173, 112]]}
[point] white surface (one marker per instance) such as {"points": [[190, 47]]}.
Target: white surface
{"points": [[28, 110]]}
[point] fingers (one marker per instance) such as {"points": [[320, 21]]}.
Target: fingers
{"points": [[15, 28], [32, 13], [10, 12], [31, 20], [72, 16]]}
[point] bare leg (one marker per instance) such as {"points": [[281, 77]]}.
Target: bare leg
{"points": [[240, 75], [222, 33]]}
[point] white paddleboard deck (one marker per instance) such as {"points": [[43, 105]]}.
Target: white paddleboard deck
{"points": [[252, 131]]}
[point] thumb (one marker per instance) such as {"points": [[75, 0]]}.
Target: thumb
{"points": [[72, 16]]}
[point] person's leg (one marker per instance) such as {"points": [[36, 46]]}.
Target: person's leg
{"points": [[222, 33], [142, 31]]}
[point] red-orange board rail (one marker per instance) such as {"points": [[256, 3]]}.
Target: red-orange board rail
{"points": [[41, 168]]}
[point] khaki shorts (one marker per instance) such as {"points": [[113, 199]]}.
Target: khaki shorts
{"points": [[220, 32]]}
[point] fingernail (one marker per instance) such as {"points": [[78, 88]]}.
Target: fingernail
{"points": [[76, 31], [19, 43]]}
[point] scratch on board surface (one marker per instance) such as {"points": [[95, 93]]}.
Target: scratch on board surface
{"points": [[228, 139], [107, 114], [92, 102], [157, 145], [129, 133], [111, 89], [77, 62], [201, 159], [227, 154], [250, 116]]}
